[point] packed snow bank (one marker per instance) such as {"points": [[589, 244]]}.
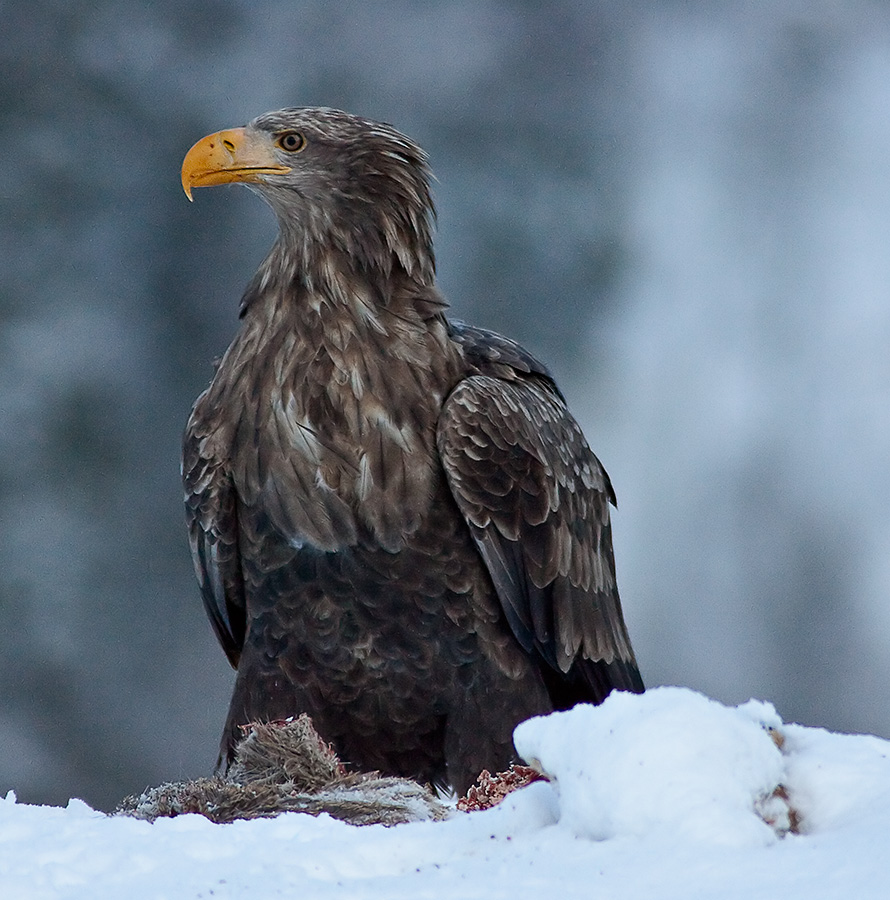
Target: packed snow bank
{"points": [[666, 795], [668, 762]]}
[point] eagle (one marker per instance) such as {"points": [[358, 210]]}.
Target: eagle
{"points": [[396, 524]]}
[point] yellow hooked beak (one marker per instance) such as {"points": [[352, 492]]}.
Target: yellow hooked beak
{"points": [[229, 156]]}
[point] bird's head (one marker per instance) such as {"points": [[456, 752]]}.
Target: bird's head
{"points": [[333, 180]]}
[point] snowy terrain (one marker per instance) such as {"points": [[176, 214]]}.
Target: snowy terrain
{"points": [[665, 795]]}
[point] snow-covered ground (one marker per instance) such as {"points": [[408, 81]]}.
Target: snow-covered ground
{"points": [[661, 796]]}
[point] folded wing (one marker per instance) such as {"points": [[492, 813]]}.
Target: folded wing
{"points": [[536, 500]]}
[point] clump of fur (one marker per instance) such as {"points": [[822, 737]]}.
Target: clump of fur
{"points": [[286, 767]]}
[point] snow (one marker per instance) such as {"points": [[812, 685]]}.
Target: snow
{"points": [[689, 767], [664, 795]]}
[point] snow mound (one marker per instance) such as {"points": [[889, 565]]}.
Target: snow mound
{"points": [[674, 763]]}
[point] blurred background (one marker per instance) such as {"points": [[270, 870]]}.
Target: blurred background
{"points": [[684, 207]]}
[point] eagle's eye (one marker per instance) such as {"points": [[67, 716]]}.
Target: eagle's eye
{"points": [[292, 141]]}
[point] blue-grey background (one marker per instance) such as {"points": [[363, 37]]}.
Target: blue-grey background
{"points": [[684, 207]]}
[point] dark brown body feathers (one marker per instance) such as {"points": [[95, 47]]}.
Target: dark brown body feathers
{"points": [[396, 524]]}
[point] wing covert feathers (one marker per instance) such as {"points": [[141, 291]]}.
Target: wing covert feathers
{"points": [[537, 502], [212, 517]]}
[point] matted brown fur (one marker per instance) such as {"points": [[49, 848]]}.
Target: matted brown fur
{"points": [[286, 767]]}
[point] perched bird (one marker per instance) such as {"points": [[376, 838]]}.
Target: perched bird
{"points": [[397, 526]]}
